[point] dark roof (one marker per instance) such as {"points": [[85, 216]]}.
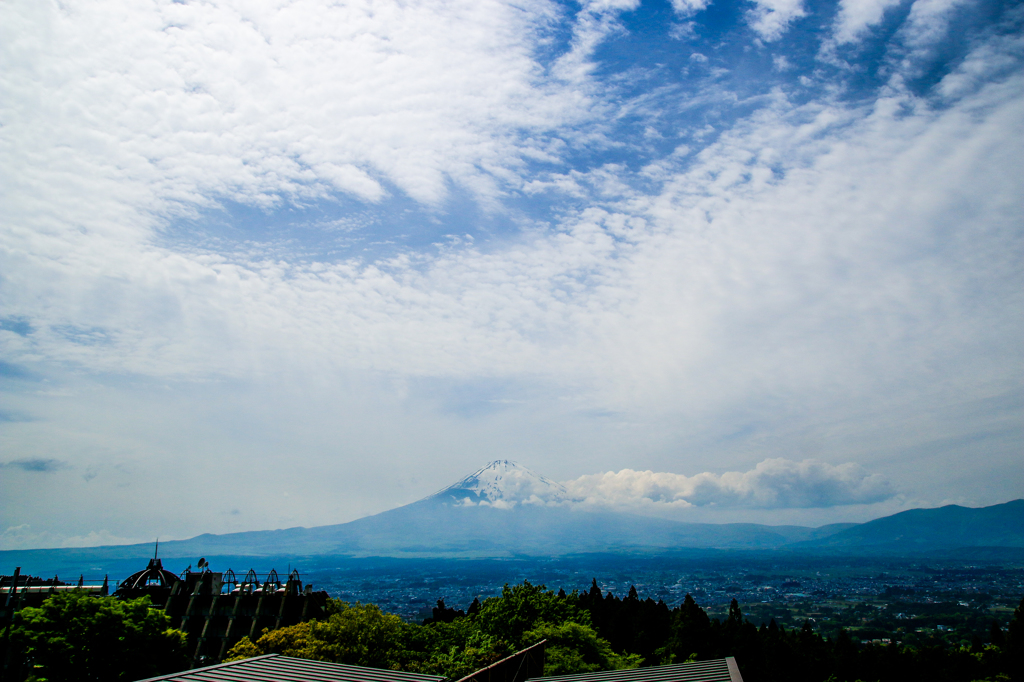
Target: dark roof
{"points": [[154, 572], [277, 668], [718, 670]]}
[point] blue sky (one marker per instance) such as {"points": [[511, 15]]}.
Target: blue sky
{"points": [[278, 263]]}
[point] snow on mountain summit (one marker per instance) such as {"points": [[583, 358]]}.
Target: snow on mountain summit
{"points": [[503, 484]]}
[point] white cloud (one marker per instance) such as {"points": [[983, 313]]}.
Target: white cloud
{"points": [[601, 6], [771, 18], [928, 21], [857, 16], [925, 27], [598, 20], [844, 278], [24, 537], [688, 8], [183, 103], [773, 484], [1000, 55], [920, 35], [829, 185]]}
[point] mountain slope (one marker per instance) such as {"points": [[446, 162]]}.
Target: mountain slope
{"points": [[506, 510], [432, 527], [1000, 525], [501, 510]]}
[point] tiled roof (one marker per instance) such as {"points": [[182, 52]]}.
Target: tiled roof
{"points": [[718, 670], [277, 668]]}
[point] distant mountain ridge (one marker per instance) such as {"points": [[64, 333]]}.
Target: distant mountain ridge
{"points": [[505, 510], [1000, 525]]}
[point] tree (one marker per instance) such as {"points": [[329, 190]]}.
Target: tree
{"points": [[691, 634], [576, 648], [460, 647], [521, 607], [443, 614], [74, 637], [1015, 644], [357, 635]]}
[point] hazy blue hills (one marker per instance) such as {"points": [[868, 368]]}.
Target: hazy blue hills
{"points": [[432, 528], [429, 527], [915, 530], [505, 510]]}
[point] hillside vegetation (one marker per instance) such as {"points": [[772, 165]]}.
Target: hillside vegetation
{"points": [[80, 637], [590, 631]]}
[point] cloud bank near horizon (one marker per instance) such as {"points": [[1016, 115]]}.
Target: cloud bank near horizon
{"points": [[775, 483]]}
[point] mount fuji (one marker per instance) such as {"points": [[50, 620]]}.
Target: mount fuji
{"points": [[501, 510], [506, 510], [503, 485]]}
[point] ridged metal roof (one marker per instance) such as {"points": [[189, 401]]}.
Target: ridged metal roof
{"points": [[718, 670], [277, 668]]}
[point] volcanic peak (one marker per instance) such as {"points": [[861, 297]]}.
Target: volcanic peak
{"points": [[503, 484]]}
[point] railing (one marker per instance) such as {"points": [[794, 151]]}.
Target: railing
{"points": [[13, 585], [36, 589], [252, 583]]}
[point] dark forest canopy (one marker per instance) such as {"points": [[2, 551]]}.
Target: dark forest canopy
{"points": [[593, 631], [81, 637]]}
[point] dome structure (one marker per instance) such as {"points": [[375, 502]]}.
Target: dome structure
{"points": [[153, 576]]}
